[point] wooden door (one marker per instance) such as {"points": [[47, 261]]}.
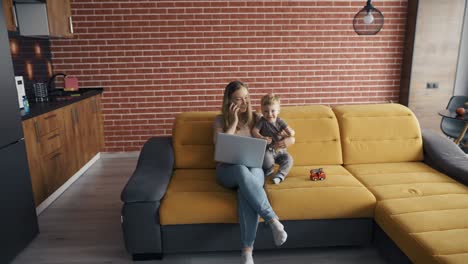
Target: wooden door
{"points": [[10, 18], [60, 19]]}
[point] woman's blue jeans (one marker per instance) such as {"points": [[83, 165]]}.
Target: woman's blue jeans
{"points": [[251, 197]]}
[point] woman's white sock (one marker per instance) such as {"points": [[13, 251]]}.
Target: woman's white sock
{"points": [[279, 235], [246, 257]]}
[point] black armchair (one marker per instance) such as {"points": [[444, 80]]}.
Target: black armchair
{"points": [[451, 127]]}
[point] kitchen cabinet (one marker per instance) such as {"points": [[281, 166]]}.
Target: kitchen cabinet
{"points": [[52, 18], [60, 19], [95, 142], [61, 142], [10, 18], [83, 112], [33, 153], [43, 144], [83, 121], [71, 146]]}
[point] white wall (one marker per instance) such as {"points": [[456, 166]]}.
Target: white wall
{"points": [[461, 81], [435, 57]]}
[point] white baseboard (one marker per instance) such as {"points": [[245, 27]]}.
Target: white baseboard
{"points": [[41, 207], [113, 155]]}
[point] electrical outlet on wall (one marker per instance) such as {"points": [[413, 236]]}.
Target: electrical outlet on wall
{"points": [[432, 85]]}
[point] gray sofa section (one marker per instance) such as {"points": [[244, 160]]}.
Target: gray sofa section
{"points": [[443, 155], [301, 234], [142, 195]]}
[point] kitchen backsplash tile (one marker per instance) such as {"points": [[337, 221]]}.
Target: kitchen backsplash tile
{"points": [[31, 59]]}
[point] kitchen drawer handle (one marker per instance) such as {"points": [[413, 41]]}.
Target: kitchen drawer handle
{"points": [[70, 22], [95, 106], [47, 117], [38, 133], [77, 116], [73, 110], [55, 156], [54, 136], [14, 15]]}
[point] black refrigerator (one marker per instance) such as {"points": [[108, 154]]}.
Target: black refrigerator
{"points": [[18, 221]]}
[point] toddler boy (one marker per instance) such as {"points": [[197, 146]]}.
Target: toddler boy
{"points": [[273, 129]]}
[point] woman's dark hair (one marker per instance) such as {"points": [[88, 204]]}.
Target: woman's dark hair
{"points": [[232, 87]]}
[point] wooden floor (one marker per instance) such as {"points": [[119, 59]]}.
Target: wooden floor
{"points": [[83, 226]]}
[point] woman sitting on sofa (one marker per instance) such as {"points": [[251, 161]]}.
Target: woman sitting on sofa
{"points": [[238, 118]]}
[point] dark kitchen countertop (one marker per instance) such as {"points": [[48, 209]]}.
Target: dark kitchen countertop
{"points": [[58, 101]]}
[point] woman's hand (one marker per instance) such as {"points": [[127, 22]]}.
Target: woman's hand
{"points": [[285, 142], [284, 133], [287, 132], [233, 119], [233, 113], [290, 131]]}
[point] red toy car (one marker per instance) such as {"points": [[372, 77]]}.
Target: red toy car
{"points": [[317, 175]]}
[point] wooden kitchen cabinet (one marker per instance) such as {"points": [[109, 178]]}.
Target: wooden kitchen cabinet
{"points": [[83, 115], [50, 19], [34, 159], [90, 110], [43, 135], [52, 169], [9, 14], [83, 120], [74, 125], [60, 18], [97, 142], [61, 142]]}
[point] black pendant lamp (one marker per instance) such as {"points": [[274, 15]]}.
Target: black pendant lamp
{"points": [[368, 21]]}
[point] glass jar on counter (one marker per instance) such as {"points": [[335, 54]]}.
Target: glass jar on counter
{"points": [[40, 92]]}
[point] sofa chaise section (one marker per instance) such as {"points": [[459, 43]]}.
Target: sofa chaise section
{"points": [[422, 210]]}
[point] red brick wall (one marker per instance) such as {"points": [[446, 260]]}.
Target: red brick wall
{"points": [[158, 58]]}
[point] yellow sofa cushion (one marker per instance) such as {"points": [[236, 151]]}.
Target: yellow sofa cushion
{"points": [[339, 196], [425, 212], [192, 140], [379, 133], [317, 135], [194, 197], [428, 229], [404, 180]]}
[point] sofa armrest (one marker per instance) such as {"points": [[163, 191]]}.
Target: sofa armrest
{"points": [[153, 172], [443, 155]]}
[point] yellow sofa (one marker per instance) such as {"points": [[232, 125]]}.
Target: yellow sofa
{"points": [[376, 179]]}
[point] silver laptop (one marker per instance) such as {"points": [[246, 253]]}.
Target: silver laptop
{"points": [[240, 150]]}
